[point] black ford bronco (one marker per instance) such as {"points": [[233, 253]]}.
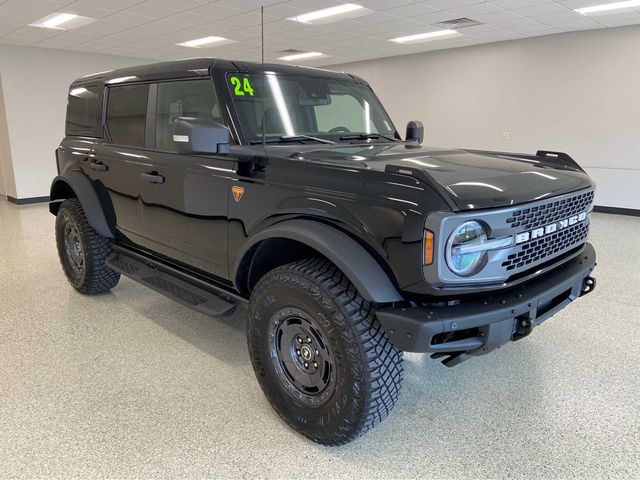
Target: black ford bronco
{"points": [[219, 183]]}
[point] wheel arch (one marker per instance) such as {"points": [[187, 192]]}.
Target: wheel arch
{"points": [[75, 184], [293, 240]]}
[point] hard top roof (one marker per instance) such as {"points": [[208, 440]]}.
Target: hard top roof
{"points": [[195, 67]]}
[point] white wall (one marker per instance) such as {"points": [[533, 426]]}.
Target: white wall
{"points": [[35, 83], [576, 92]]}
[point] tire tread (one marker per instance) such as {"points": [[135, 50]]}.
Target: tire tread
{"points": [[99, 278], [383, 363]]}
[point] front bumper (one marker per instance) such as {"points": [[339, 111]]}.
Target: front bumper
{"points": [[477, 327]]}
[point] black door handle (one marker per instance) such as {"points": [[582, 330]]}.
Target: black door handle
{"points": [[99, 166], [152, 177]]}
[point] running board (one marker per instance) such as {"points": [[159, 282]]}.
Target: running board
{"points": [[177, 285]]}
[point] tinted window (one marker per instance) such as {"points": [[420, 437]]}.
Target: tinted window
{"points": [[83, 114], [345, 110], [126, 112], [306, 105], [187, 98]]}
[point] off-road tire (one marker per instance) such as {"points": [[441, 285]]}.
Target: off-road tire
{"points": [[95, 276], [368, 368]]}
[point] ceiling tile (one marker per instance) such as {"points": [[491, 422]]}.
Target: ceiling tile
{"points": [[374, 18], [542, 9], [448, 4], [513, 4], [380, 5], [472, 10], [81, 8], [151, 28], [500, 16], [216, 11], [433, 18], [410, 10], [33, 9], [114, 5]]}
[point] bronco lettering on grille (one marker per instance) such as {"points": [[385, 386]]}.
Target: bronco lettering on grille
{"points": [[551, 228]]}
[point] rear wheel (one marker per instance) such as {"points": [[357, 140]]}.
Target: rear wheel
{"points": [[83, 251], [319, 353]]}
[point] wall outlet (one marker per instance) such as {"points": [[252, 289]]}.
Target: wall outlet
{"points": [[504, 135]]}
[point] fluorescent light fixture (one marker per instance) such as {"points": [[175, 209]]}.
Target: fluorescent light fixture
{"points": [[606, 7], [301, 56], [58, 20], [201, 42], [62, 21], [346, 10], [425, 37]]}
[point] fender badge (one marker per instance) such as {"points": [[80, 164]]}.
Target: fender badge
{"points": [[237, 193]]}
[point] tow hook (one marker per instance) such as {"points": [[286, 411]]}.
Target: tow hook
{"points": [[523, 327], [588, 286]]}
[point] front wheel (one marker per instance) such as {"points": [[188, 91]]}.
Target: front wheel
{"points": [[83, 251], [319, 353]]}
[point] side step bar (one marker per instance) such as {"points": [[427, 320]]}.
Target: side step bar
{"points": [[175, 284]]}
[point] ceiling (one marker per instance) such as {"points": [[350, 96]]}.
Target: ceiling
{"points": [[151, 28]]}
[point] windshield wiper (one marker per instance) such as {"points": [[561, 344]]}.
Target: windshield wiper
{"points": [[368, 136], [292, 138]]}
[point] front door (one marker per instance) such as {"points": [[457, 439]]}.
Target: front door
{"points": [[185, 198]]}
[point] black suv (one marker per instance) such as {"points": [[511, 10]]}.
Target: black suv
{"points": [[289, 189]]}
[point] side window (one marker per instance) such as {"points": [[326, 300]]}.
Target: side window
{"points": [[185, 98], [126, 114], [83, 112]]}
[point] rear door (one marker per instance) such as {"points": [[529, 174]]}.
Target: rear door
{"points": [[119, 159], [184, 198]]}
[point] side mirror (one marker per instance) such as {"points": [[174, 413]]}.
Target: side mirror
{"points": [[415, 131], [200, 135]]}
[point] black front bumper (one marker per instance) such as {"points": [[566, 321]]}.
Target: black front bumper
{"points": [[480, 326]]}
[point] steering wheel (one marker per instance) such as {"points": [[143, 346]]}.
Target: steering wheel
{"points": [[339, 130]]}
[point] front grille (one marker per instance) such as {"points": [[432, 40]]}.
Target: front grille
{"points": [[550, 212], [541, 233], [548, 246]]}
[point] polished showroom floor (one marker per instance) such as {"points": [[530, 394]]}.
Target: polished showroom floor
{"points": [[132, 385]]}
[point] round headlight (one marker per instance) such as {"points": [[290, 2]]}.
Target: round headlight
{"points": [[460, 261]]}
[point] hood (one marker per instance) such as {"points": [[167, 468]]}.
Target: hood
{"points": [[467, 179]]}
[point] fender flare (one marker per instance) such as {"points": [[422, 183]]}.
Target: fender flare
{"points": [[360, 267], [86, 194]]}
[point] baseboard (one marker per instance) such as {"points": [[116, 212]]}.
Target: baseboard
{"points": [[632, 212], [27, 201]]}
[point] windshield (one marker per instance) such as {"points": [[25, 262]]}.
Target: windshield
{"points": [[294, 107]]}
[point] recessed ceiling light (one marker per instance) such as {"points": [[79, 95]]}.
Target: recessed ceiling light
{"points": [[607, 7], [332, 14], [62, 21], [425, 37], [301, 56], [201, 42]]}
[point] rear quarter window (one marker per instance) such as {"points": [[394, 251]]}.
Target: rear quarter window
{"points": [[83, 111]]}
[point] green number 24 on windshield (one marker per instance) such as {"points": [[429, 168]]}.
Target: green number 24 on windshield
{"points": [[241, 87]]}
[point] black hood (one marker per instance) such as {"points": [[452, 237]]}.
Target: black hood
{"points": [[470, 179]]}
